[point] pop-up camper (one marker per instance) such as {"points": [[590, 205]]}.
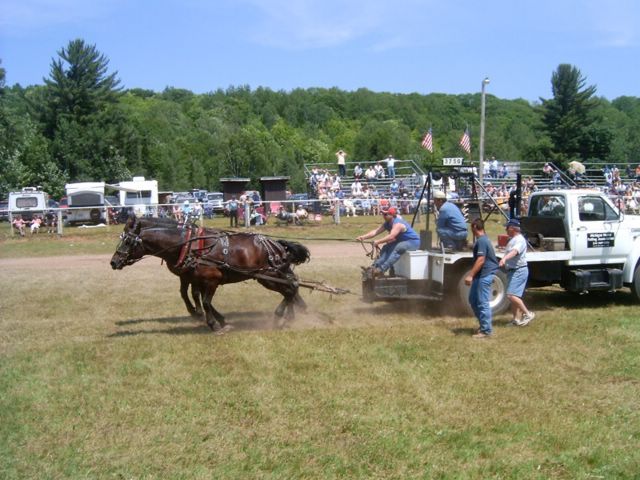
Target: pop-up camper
{"points": [[85, 201], [139, 194]]}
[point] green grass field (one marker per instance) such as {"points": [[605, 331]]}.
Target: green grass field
{"points": [[102, 375]]}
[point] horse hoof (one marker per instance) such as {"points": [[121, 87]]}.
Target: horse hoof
{"points": [[227, 328]]}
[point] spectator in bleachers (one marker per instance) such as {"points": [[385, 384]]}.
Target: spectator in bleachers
{"points": [[493, 167], [547, 170], [379, 169], [404, 204], [370, 174], [349, 207], [375, 205], [530, 183], [356, 188], [629, 171], [394, 188], [504, 171], [402, 188], [342, 161], [391, 166], [366, 206], [357, 171]]}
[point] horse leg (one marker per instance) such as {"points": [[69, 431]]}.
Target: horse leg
{"points": [[184, 293], [197, 293], [280, 309], [291, 313], [211, 314], [300, 302]]}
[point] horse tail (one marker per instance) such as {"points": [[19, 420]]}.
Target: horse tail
{"points": [[298, 253]]}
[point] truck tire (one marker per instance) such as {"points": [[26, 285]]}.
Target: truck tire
{"points": [[498, 299], [635, 286]]}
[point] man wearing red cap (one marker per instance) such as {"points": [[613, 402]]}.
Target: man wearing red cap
{"points": [[399, 239]]}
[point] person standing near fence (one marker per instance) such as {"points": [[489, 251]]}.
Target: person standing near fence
{"points": [[232, 207], [391, 166], [342, 162], [515, 263], [480, 278]]}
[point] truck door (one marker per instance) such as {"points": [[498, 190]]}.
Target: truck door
{"points": [[595, 233]]}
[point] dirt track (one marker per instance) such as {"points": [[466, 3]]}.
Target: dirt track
{"points": [[318, 250]]}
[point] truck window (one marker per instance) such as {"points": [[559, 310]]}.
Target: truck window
{"points": [[595, 209], [547, 206]]}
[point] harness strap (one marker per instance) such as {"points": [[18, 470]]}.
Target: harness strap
{"points": [[186, 247], [201, 238]]}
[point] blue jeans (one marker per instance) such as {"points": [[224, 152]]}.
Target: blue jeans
{"points": [[391, 253], [479, 299], [452, 239]]}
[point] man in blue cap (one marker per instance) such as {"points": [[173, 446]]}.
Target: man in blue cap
{"points": [[515, 262]]}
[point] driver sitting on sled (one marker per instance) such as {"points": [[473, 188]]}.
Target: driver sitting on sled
{"points": [[400, 238]]}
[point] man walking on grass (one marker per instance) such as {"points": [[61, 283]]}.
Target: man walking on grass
{"points": [[515, 263], [480, 278]]}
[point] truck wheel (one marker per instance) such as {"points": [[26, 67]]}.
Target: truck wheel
{"points": [[635, 286], [498, 300]]}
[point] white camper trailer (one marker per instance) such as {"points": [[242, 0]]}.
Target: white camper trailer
{"points": [[28, 202], [139, 194], [86, 202]]}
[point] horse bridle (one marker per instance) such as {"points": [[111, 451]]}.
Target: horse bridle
{"points": [[128, 241]]}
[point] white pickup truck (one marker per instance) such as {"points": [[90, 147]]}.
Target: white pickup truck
{"points": [[578, 240]]}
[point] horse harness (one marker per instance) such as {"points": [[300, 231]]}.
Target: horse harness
{"points": [[196, 251]]}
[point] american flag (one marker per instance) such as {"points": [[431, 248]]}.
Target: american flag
{"points": [[465, 141], [427, 141]]}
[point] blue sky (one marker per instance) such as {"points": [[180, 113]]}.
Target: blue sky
{"points": [[399, 46]]}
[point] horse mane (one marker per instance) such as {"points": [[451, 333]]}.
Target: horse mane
{"points": [[159, 222], [298, 253]]}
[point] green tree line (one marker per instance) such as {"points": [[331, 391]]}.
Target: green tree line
{"points": [[82, 125]]}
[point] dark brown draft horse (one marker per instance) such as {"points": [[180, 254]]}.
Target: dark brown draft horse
{"points": [[207, 258]]}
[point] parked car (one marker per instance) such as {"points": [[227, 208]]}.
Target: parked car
{"points": [[199, 194], [215, 202], [183, 197]]}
